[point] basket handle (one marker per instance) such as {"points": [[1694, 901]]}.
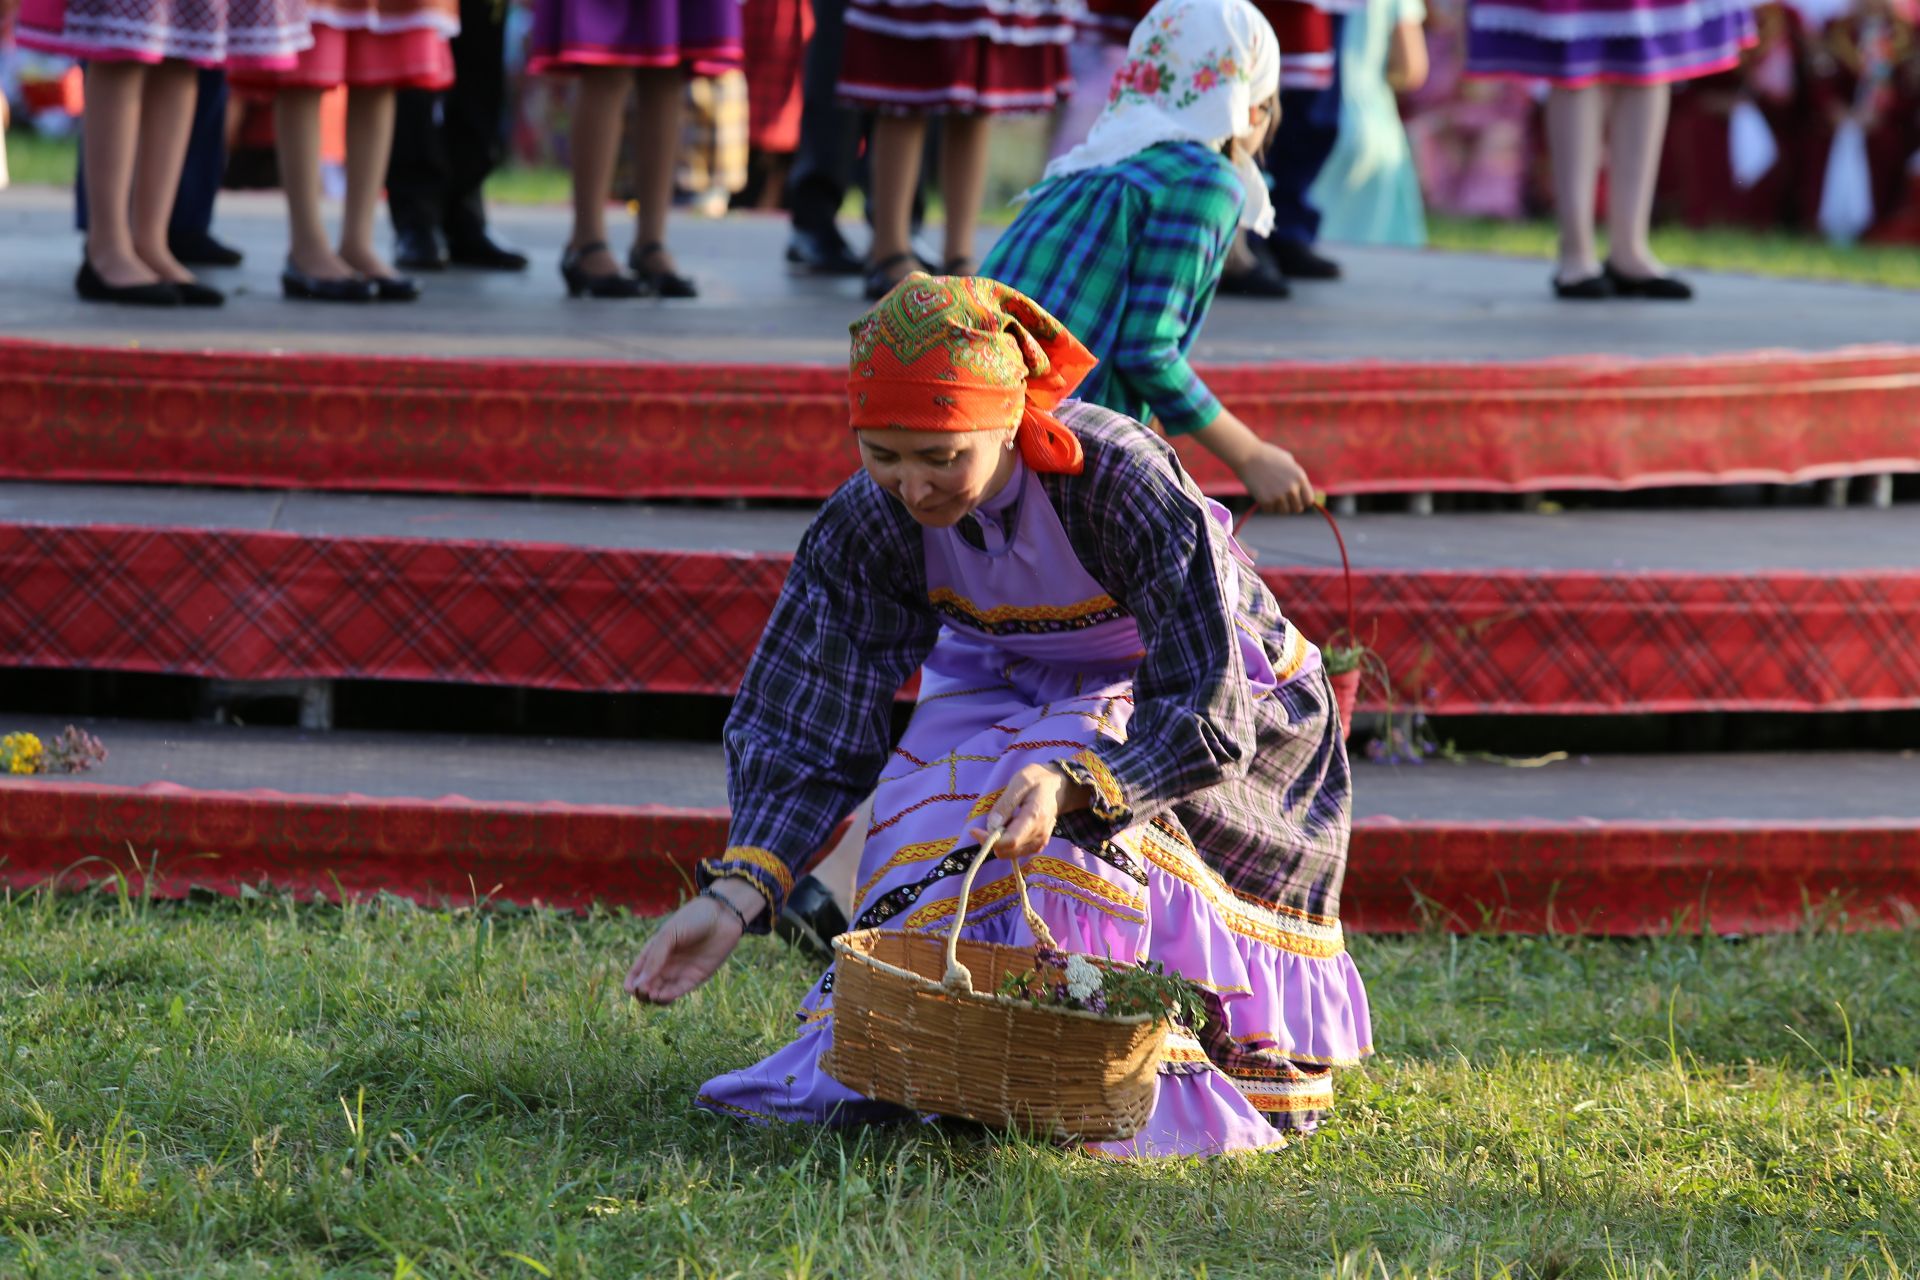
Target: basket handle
{"points": [[1346, 565], [957, 977]]}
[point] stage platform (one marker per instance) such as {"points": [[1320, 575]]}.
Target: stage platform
{"points": [[1421, 371], [1628, 845], [1577, 613]]}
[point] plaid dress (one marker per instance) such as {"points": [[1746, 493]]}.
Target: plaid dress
{"points": [[1128, 256], [1104, 622]]}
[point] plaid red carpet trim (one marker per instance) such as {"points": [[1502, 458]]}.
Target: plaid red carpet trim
{"points": [[1509, 876], [626, 430], [254, 606]]}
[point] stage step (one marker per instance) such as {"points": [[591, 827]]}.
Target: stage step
{"points": [[1626, 845], [1576, 613], [1420, 372]]}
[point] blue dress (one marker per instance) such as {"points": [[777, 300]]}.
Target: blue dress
{"points": [[1369, 191]]}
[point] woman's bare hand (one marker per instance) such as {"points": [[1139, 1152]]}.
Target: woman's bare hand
{"points": [[1026, 811], [692, 945]]}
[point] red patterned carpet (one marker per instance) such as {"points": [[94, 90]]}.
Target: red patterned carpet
{"points": [[1417, 372], [1620, 846], [1595, 613]]}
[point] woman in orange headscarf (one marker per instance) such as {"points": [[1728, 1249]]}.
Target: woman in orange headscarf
{"points": [[1102, 675]]}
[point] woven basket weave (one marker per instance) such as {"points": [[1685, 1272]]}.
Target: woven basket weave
{"points": [[910, 1028]]}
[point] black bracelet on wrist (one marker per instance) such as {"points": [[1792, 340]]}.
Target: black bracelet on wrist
{"points": [[738, 914]]}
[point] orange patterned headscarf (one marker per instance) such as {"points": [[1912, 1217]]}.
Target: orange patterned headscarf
{"points": [[964, 353]]}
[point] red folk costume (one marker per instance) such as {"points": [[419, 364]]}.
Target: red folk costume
{"points": [[774, 47], [970, 56], [1697, 181], [1867, 64], [399, 44], [210, 33]]}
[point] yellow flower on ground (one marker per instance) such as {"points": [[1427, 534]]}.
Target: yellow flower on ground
{"points": [[21, 753]]}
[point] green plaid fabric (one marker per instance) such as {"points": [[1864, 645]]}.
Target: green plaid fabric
{"points": [[1127, 256]]}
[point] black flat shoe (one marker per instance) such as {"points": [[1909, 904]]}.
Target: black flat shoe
{"points": [[613, 284], [90, 286], [200, 249], [1298, 261], [822, 253], [881, 279], [482, 252], [1664, 288], [1261, 282], [959, 267], [394, 288], [1586, 289], [298, 285], [194, 294], [418, 249], [811, 920], [668, 284]]}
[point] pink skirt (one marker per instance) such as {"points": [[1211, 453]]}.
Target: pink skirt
{"points": [[264, 34], [419, 58]]}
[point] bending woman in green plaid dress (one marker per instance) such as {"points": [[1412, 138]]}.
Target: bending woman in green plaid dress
{"points": [[1126, 236]]}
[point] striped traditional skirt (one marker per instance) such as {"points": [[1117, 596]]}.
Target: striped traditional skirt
{"points": [[972, 56], [1572, 43], [1285, 1002], [208, 33]]}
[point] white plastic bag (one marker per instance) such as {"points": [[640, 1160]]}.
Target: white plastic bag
{"points": [[1751, 148], [1846, 197]]}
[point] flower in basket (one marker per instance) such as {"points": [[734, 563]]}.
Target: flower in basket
{"points": [[1068, 980], [73, 751]]}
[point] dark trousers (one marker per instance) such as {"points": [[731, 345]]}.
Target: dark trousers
{"points": [[1309, 126], [445, 144], [200, 175], [827, 159]]}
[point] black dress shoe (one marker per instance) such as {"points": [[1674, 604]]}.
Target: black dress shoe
{"points": [[822, 253], [1586, 289], [1262, 280], [90, 286], [811, 920], [200, 249], [1298, 261], [419, 249], [295, 283], [194, 294], [1664, 288], [612, 284], [483, 253], [668, 284], [394, 288], [886, 276]]}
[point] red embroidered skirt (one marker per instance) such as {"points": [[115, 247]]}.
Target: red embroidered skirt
{"points": [[419, 58], [984, 56]]}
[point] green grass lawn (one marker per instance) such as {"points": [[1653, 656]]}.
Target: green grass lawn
{"points": [[256, 1088]]}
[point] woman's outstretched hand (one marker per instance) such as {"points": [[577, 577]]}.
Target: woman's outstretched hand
{"points": [[692, 945], [1028, 808]]}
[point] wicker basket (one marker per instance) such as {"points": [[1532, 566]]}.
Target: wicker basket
{"points": [[910, 1028]]}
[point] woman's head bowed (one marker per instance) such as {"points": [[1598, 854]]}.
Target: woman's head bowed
{"points": [[965, 354]]}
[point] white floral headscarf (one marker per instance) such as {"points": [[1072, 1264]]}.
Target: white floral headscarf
{"points": [[1194, 70]]}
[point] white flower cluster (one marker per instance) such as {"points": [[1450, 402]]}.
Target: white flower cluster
{"points": [[1083, 977]]}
